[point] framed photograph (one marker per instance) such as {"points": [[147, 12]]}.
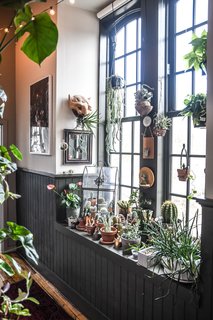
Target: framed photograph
{"points": [[40, 116]]}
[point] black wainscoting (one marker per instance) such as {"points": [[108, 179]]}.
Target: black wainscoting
{"points": [[97, 279]]}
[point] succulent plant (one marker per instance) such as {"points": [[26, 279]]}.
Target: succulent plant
{"points": [[169, 211]]}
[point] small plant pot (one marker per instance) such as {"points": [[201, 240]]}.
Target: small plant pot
{"points": [[73, 212], [127, 243], [159, 132], [143, 107], [134, 254], [90, 229], [108, 236], [201, 123], [183, 174], [146, 257]]}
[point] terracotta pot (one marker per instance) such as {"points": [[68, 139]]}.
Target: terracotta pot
{"points": [[90, 229], [159, 132], [143, 107], [108, 236], [183, 174]]}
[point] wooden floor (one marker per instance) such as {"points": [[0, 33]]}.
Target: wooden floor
{"points": [[46, 286]]}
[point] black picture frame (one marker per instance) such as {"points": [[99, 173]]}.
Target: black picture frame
{"points": [[79, 146]]}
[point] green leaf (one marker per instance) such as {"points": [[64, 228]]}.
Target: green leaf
{"points": [[34, 300], [42, 39], [14, 262], [4, 266], [16, 152], [23, 15], [2, 193]]}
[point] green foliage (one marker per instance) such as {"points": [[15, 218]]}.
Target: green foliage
{"points": [[89, 121], [162, 122], [169, 211], [195, 107], [42, 32], [178, 243], [16, 3], [131, 231], [197, 57]]}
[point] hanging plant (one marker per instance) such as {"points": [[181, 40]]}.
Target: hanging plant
{"points": [[114, 111], [195, 107], [143, 100], [183, 172]]}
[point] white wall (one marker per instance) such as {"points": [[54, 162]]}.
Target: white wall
{"points": [[77, 71], [74, 71], [209, 148]]}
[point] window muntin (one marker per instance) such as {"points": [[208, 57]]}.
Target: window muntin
{"points": [[190, 16]]}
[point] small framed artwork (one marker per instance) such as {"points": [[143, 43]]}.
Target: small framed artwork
{"points": [[41, 116]]}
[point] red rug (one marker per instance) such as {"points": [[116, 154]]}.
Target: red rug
{"points": [[48, 309]]}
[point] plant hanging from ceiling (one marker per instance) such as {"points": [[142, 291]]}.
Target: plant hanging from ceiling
{"points": [[114, 111]]}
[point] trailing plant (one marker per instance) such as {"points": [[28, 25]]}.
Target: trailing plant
{"points": [[195, 107], [169, 211], [197, 57], [114, 111], [42, 32], [162, 122]]}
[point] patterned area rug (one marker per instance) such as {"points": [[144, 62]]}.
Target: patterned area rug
{"points": [[48, 309]]}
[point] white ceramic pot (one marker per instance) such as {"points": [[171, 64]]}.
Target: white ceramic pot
{"points": [[73, 212]]}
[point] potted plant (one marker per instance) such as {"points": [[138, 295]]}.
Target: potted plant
{"points": [[143, 100], [183, 172], [69, 198], [108, 232], [124, 207], [195, 107], [197, 57], [177, 248], [161, 124], [114, 111], [131, 236], [169, 212]]}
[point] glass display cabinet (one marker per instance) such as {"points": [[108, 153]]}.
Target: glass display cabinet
{"points": [[99, 188]]}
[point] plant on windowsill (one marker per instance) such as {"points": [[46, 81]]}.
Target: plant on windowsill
{"points": [[108, 232], [69, 198], [177, 248], [161, 124], [131, 235], [195, 108], [197, 57]]}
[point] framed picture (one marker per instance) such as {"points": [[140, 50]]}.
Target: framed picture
{"points": [[40, 116]]}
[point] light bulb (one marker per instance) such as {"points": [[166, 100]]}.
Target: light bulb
{"points": [[71, 1], [6, 30], [52, 11]]}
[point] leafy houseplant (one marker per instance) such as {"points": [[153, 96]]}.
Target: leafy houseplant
{"points": [[195, 107], [89, 121], [177, 248], [69, 198], [124, 207], [197, 57], [161, 124], [131, 236], [114, 110]]}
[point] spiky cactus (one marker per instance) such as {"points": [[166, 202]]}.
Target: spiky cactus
{"points": [[169, 211]]}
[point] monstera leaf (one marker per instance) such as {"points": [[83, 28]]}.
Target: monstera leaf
{"points": [[16, 4], [43, 34]]}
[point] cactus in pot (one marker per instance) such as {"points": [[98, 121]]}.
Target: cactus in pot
{"points": [[169, 211]]}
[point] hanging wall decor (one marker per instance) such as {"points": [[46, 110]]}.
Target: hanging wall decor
{"points": [[146, 177], [143, 100], [148, 141], [40, 116]]}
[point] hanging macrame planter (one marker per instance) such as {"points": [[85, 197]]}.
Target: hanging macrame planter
{"points": [[143, 100], [183, 171]]}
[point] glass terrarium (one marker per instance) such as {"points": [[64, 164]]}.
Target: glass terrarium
{"points": [[99, 188]]}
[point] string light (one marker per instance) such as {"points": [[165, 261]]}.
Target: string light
{"points": [[71, 1], [6, 30], [52, 11]]}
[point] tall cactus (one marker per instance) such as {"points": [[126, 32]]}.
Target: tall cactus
{"points": [[169, 211]]}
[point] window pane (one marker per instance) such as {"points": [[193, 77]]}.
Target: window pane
{"points": [[136, 169], [198, 141], [178, 187], [131, 36], [119, 51], [119, 67], [139, 33], [201, 11], [183, 88], [197, 170], [130, 101], [184, 14], [115, 161], [179, 134], [181, 205], [126, 169], [131, 68], [126, 137], [200, 83], [182, 47], [125, 193], [139, 66], [136, 137]]}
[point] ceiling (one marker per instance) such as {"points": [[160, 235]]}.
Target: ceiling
{"points": [[91, 5]]}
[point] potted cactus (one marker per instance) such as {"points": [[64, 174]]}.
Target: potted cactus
{"points": [[169, 212], [108, 232], [124, 207]]}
